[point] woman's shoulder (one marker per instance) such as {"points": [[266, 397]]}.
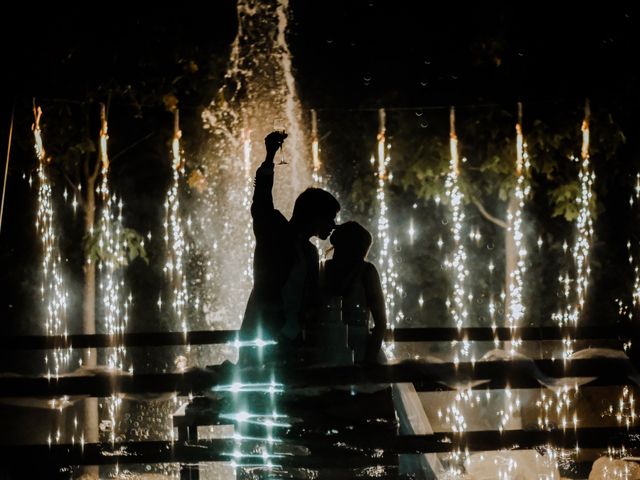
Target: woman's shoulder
{"points": [[370, 275], [369, 268]]}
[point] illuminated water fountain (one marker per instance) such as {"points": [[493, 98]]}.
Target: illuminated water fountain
{"points": [[257, 97]]}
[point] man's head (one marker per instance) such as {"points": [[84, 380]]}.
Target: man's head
{"points": [[314, 212]]}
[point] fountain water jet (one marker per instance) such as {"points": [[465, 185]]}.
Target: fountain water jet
{"points": [[258, 95]]}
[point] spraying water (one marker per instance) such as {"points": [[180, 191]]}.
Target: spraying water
{"points": [[258, 96]]}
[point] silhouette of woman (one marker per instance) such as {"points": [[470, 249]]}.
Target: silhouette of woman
{"points": [[355, 282]]}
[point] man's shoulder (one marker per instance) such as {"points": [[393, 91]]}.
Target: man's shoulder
{"points": [[277, 219], [271, 226]]}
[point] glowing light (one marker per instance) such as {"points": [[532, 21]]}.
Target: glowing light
{"points": [[247, 234], [635, 295], [258, 342], [584, 224], [238, 387], [315, 151], [559, 408], [624, 412], [263, 456], [583, 235], [515, 307], [53, 293], [112, 256], [110, 262], [457, 263], [389, 276], [266, 420], [411, 231], [175, 235]]}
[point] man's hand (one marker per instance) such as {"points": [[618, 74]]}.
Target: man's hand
{"points": [[274, 141]]}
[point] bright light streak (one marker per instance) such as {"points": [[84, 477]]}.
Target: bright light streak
{"points": [[53, 293], [175, 234]]}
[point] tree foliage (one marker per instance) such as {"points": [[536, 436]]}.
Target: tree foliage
{"points": [[129, 246]]}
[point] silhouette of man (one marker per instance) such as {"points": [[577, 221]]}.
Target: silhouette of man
{"points": [[285, 262]]}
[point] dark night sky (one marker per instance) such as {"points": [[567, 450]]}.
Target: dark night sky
{"points": [[356, 52]]}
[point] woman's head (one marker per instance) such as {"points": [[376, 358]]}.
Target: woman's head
{"points": [[351, 240]]}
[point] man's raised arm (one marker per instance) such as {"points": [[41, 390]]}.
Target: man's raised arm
{"points": [[262, 204]]}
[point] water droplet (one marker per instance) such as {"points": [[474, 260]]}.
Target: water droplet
{"points": [[419, 113], [424, 124], [367, 77], [423, 83], [445, 221], [490, 246]]}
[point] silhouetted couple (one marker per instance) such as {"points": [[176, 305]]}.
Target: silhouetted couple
{"points": [[291, 294]]}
